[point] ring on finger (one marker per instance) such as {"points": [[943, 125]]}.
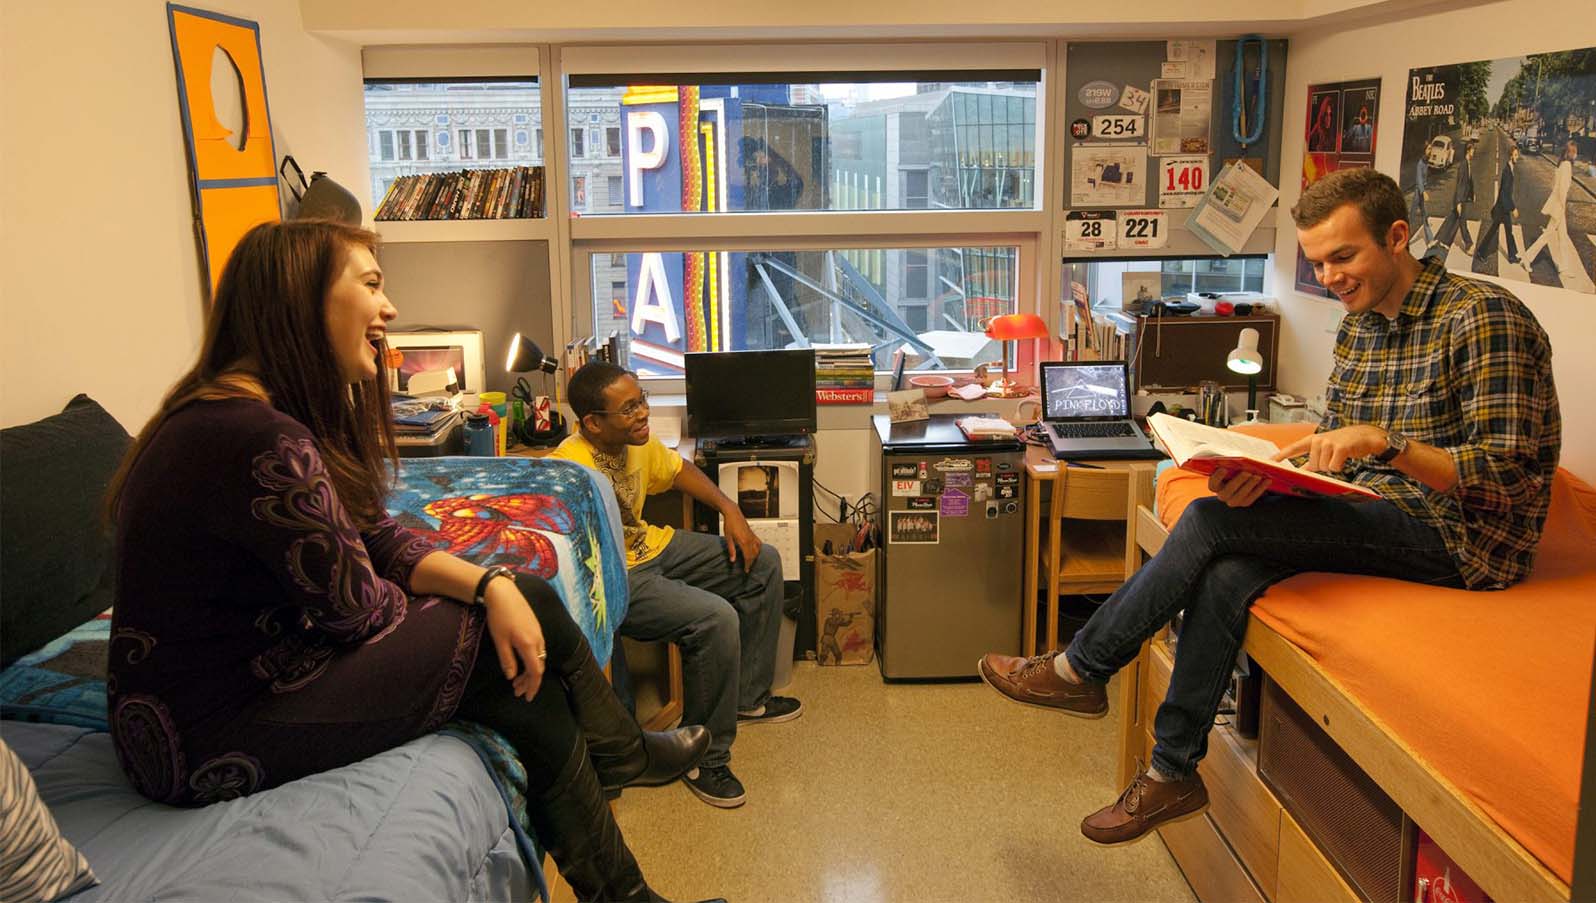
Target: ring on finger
{"points": [[543, 653]]}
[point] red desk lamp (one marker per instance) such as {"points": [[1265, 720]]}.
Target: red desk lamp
{"points": [[1009, 328]]}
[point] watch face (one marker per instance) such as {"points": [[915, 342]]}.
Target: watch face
{"points": [[1394, 444]]}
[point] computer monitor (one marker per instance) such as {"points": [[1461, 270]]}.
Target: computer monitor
{"points": [[735, 394]]}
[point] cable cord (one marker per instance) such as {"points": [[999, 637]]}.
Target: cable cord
{"points": [[1239, 118]]}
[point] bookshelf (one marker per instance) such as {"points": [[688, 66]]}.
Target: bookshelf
{"points": [[408, 231]]}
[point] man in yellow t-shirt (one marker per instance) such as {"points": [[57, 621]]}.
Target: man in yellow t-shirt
{"points": [[718, 598]]}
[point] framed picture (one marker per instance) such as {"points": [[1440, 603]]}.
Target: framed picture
{"points": [[1137, 289], [1340, 133], [430, 355]]}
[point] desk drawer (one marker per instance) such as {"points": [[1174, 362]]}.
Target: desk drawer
{"points": [[1305, 876], [1241, 806], [1214, 872]]}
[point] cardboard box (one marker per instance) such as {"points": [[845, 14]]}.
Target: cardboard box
{"points": [[845, 599]]}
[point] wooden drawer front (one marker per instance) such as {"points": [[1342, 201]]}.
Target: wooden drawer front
{"points": [[1305, 876], [1241, 806], [1212, 870]]}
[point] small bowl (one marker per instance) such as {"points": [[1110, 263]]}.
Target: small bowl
{"points": [[934, 386]]}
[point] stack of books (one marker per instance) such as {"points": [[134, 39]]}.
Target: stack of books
{"points": [[422, 417], [844, 374], [468, 194]]}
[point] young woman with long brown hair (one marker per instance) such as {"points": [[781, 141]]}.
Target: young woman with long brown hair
{"points": [[273, 621]]}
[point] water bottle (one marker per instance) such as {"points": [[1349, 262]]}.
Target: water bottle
{"points": [[479, 438]]}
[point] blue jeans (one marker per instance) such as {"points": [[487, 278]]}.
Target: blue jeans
{"points": [[1219, 559], [726, 621]]}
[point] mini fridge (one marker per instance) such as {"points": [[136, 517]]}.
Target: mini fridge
{"points": [[953, 539]]}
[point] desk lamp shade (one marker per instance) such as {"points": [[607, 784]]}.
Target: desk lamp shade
{"points": [[1009, 328], [525, 356], [1248, 361]]}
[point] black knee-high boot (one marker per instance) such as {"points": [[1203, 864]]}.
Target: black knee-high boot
{"points": [[624, 754], [573, 819]]}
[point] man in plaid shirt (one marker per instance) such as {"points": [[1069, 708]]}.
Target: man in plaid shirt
{"points": [[1440, 399]]}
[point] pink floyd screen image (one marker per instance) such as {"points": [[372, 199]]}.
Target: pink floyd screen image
{"points": [[1086, 391]]}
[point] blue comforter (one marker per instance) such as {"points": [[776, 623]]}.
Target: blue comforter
{"points": [[440, 818]]}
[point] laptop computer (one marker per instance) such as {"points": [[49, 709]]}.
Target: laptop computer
{"points": [[1086, 411]]}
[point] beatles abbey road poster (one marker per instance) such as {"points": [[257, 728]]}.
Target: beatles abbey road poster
{"points": [[1499, 167]]}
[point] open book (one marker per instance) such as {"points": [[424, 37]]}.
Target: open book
{"points": [[1206, 449]]}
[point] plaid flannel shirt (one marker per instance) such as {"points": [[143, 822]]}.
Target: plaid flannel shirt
{"points": [[1464, 367]]}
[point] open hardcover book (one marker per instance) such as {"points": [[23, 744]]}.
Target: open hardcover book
{"points": [[1206, 449]]}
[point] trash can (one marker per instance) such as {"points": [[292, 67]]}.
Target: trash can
{"points": [[791, 605]]}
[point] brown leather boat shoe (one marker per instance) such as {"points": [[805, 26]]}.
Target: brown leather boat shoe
{"points": [[1033, 681], [1146, 804]]}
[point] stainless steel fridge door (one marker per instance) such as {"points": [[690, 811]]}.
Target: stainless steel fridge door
{"points": [[947, 602]]}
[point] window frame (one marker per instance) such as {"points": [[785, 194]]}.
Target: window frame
{"points": [[1034, 232]]}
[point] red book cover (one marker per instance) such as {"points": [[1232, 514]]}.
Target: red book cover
{"points": [[1204, 449]]}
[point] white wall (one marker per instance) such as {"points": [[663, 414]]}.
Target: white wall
{"points": [[1485, 32], [99, 275]]}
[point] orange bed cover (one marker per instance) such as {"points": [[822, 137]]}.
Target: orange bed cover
{"points": [[1490, 688]]}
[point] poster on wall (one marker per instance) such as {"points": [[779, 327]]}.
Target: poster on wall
{"points": [[1499, 167], [232, 163], [1341, 133]]}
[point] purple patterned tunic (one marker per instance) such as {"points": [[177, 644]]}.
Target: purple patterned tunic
{"points": [[258, 636]]}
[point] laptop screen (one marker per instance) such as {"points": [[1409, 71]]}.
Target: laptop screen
{"points": [[1075, 391]]}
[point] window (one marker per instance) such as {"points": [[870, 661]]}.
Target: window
{"points": [[916, 274], [428, 127], [892, 245], [736, 300], [773, 141], [578, 143], [612, 185], [401, 144], [1234, 274], [1105, 283], [914, 189]]}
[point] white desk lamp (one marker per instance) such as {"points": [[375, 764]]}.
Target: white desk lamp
{"points": [[1247, 360]]}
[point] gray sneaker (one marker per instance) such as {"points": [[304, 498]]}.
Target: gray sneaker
{"points": [[716, 785]]}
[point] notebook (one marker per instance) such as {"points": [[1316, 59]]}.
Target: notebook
{"points": [[1086, 411]]}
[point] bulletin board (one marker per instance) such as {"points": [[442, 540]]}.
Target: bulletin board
{"points": [[1113, 125], [233, 188]]}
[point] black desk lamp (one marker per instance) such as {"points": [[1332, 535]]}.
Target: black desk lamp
{"points": [[525, 356], [1247, 360]]}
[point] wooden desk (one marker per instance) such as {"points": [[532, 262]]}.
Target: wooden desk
{"points": [[1103, 552]]}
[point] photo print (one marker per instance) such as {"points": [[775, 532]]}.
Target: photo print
{"points": [[1340, 134], [759, 491], [1499, 167]]}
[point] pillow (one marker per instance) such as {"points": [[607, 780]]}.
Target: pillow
{"points": [[36, 862], [56, 549]]}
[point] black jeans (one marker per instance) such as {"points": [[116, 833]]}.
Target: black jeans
{"points": [[544, 729], [1219, 559]]}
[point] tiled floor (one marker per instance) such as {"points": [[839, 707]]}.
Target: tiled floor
{"points": [[901, 793]]}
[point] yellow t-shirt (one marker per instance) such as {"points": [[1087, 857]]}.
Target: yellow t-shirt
{"points": [[649, 469]]}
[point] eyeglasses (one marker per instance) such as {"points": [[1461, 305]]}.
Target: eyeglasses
{"points": [[631, 409]]}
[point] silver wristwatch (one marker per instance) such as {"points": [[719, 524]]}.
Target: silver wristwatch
{"points": [[1395, 444]]}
